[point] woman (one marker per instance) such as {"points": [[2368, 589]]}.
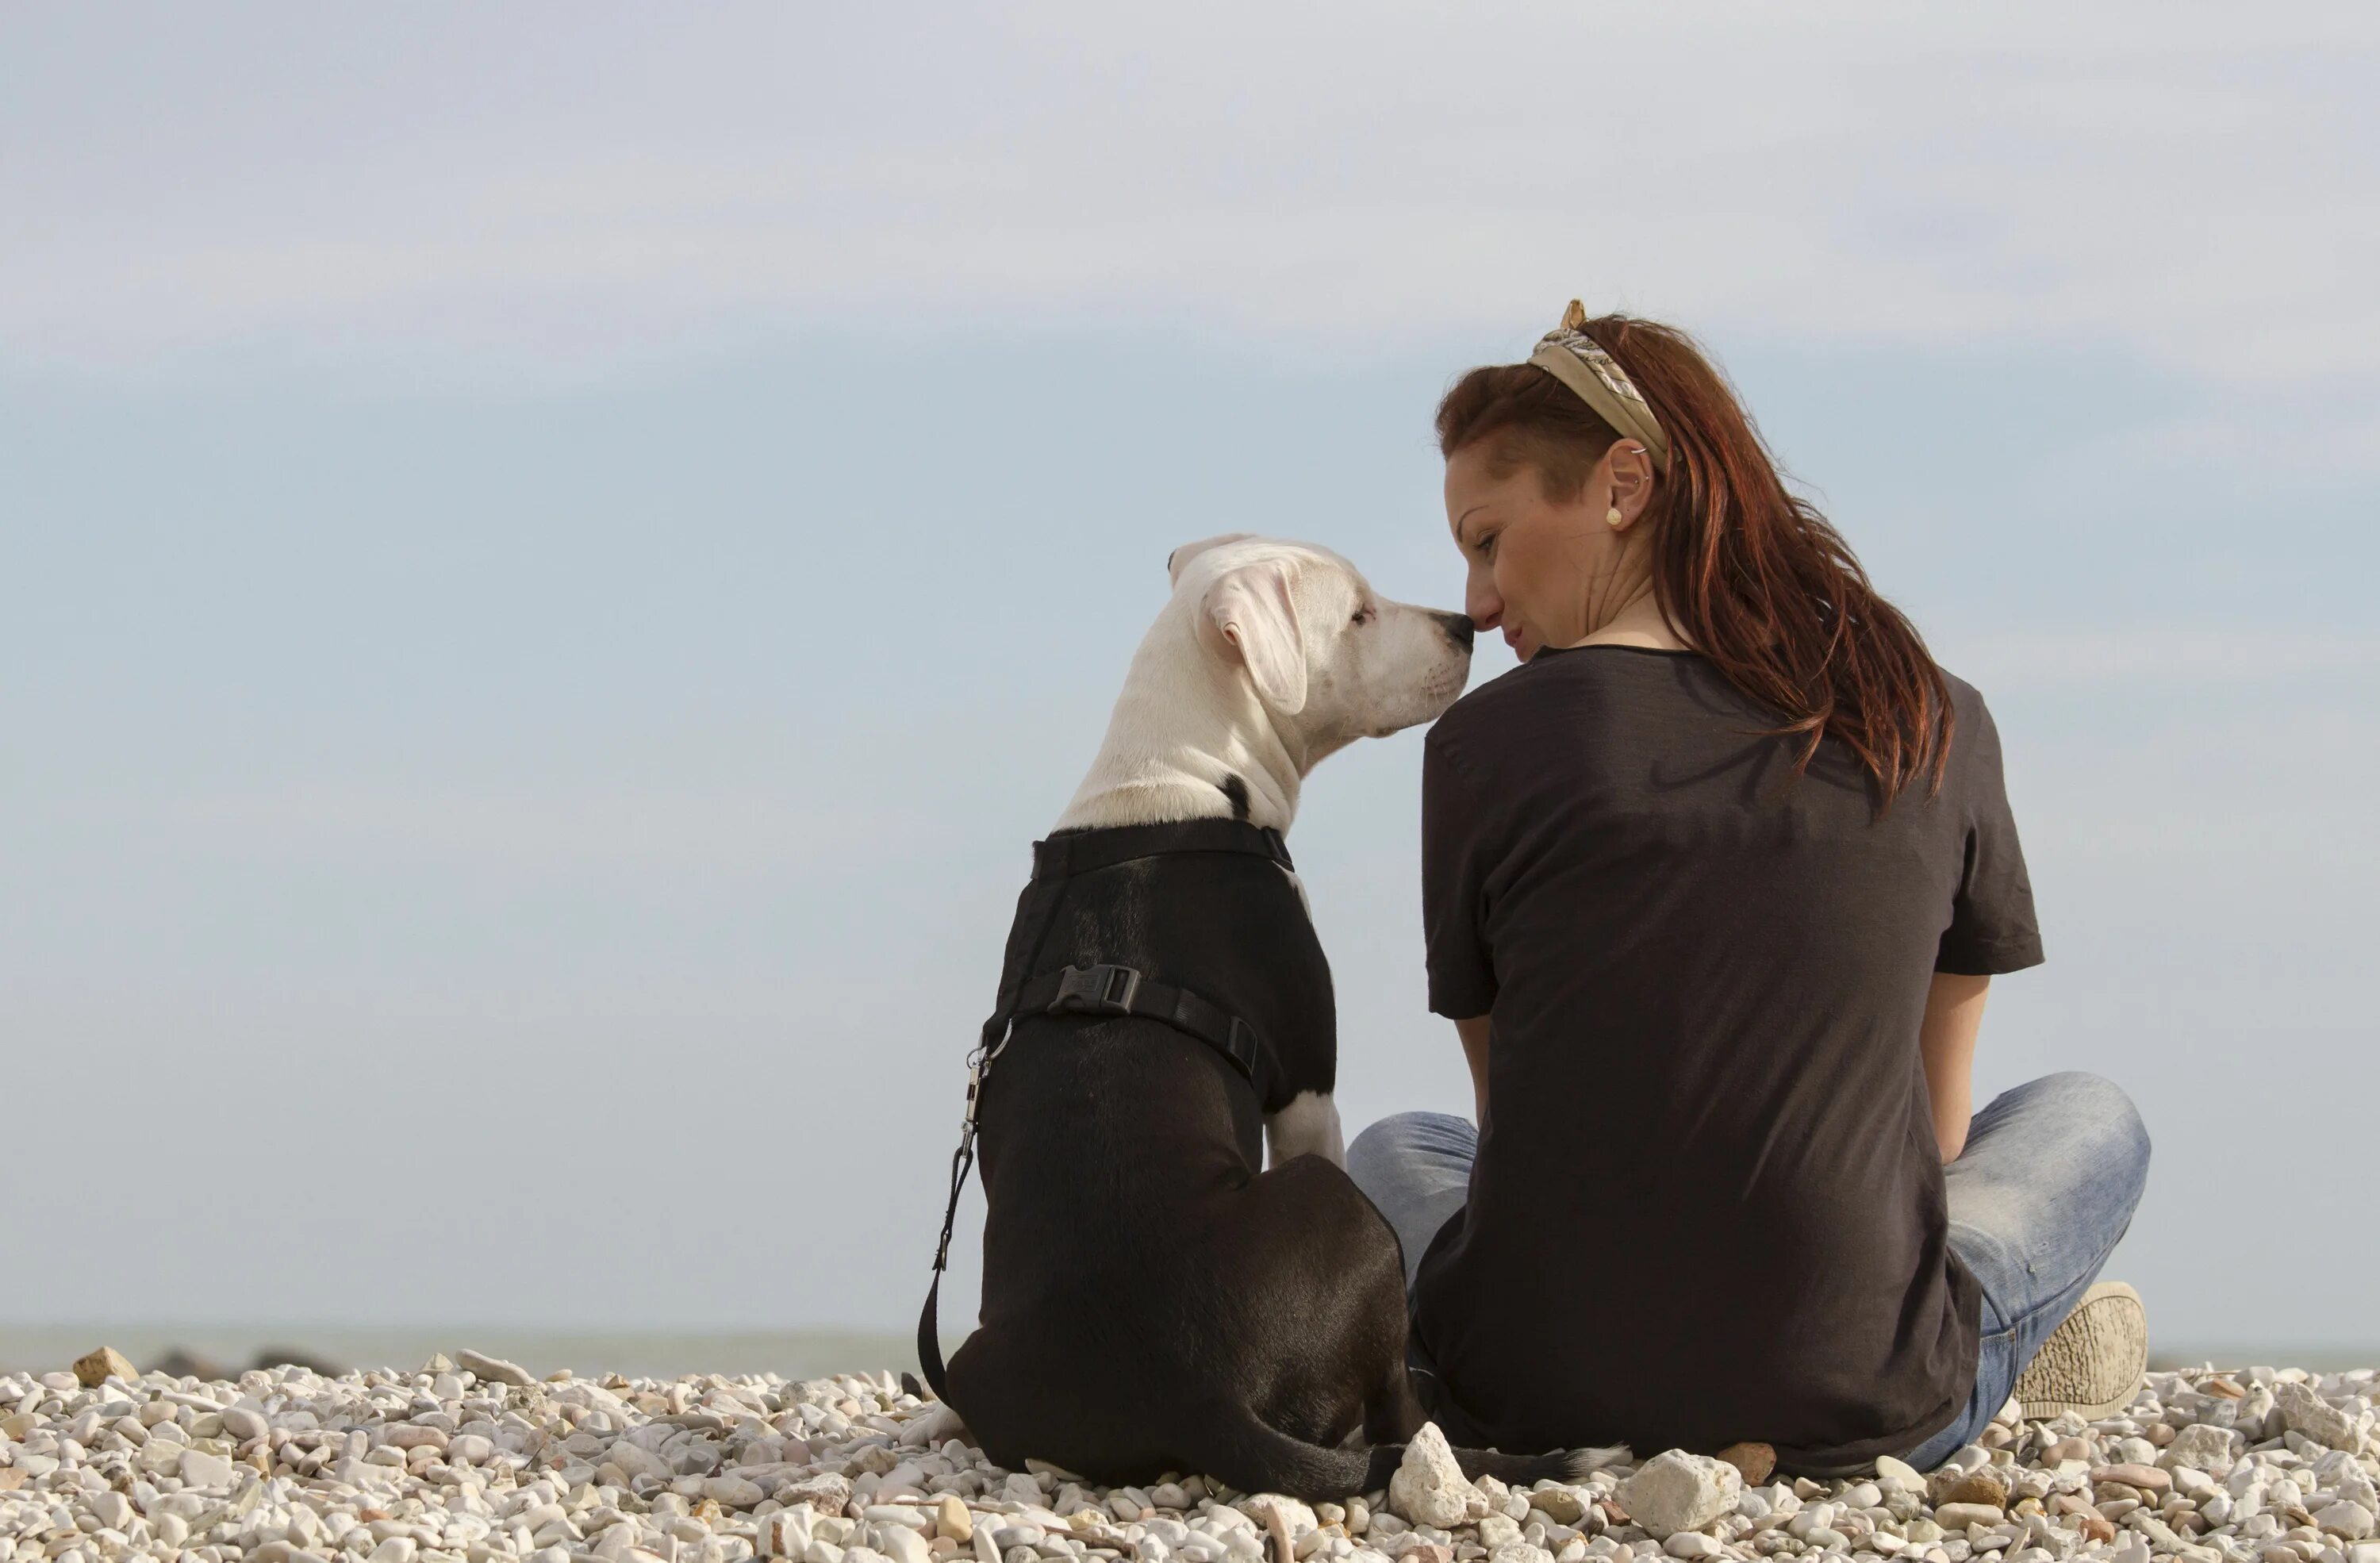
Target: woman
{"points": [[1715, 884]]}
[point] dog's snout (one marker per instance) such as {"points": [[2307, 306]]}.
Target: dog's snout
{"points": [[1458, 628]]}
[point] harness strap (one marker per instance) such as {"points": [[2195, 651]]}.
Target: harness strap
{"points": [[1104, 990], [1109, 989]]}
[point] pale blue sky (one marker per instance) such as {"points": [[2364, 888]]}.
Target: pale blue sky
{"points": [[552, 560]]}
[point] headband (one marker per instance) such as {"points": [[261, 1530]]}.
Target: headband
{"points": [[1571, 356]]}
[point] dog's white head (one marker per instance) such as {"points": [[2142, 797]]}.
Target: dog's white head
{"points": [[1331, 659]]}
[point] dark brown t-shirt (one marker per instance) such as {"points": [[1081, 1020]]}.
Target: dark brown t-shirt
{"points": [[1709, 1203]]}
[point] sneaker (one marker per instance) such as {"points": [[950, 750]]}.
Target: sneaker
{"points": [[2093, 1362]]}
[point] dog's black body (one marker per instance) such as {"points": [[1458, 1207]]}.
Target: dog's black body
{"points": [[1152, 1301]]}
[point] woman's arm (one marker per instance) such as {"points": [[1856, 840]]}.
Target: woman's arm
{"points": [[1473, 1032], [1954, 1013]]}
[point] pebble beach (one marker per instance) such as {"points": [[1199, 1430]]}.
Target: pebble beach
{"points": [[472, 1460]]}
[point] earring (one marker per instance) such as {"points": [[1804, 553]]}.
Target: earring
{"points": [[1613, 519]]}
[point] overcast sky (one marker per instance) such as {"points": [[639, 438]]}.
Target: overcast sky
{"points": [[552, 558]]}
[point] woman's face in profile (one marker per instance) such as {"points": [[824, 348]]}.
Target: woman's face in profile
{"points": [[1529, 562]]}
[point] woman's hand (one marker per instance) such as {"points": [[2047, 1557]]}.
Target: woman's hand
{"points": [[1954, 1013], [1473, 1032]]}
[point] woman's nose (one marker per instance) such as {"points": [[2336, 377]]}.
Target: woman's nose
{"points": [[1486, 609]]}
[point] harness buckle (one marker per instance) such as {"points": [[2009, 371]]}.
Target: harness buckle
{"points": [[1095, 991]]}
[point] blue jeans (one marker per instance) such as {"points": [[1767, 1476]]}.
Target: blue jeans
{"points": [[2038, 1198]]}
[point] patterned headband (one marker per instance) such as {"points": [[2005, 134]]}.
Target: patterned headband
{"points": [[1571, 356]]}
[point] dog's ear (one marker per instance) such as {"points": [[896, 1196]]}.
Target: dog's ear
{"points": [[1175, 561], [1250, 608]]}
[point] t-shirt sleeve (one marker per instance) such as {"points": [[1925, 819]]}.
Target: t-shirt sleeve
{"points": [[1462, 976], [1992, 928]]}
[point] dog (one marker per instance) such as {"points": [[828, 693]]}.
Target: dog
{"points": [[1153, 1301]]}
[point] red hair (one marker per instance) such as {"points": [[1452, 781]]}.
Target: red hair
{"points": [[1752, 576]]}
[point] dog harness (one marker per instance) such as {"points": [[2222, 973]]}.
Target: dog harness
{"points": [[1098, 989]]}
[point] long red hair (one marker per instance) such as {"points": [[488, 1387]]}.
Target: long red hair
{"points": [[1752, 576]]}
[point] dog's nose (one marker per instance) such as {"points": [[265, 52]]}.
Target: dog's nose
{"points": [[1458, 627]]}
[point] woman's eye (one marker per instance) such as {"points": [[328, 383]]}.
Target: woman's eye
{"points": [[1487, 546]]}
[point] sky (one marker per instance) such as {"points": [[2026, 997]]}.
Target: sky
{"points": [[553, 559]]}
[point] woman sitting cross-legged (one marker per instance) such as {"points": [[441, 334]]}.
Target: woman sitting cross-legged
{"points": [[1715, 884]]}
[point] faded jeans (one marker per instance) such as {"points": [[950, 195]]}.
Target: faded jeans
{"points": [[2041, 1194]]}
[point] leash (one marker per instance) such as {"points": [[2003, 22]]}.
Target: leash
{"points": [[1100, 988]]}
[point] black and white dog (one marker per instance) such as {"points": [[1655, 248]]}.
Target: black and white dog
{"points": [[1152, 1301]]}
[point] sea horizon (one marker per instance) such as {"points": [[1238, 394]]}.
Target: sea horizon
{"points": [[808, 1351]]}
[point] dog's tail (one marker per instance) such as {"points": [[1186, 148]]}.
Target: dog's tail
{"points": [[1256, 1458], [1566, 1466]]}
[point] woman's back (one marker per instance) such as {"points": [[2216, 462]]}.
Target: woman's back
{"points": [[1707, 1204]]}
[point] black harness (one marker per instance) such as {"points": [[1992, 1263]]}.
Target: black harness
{"points": [[1098, 989]]}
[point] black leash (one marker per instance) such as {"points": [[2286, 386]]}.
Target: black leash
{"points": [[1104, 988]]}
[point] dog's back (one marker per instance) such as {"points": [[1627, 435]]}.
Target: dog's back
{"points": [[1140, 1272]]}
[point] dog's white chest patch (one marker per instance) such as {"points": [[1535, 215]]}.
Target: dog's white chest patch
{"points": [[1307, 1126]]}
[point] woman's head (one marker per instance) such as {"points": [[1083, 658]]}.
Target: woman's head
{"points": [[1544, 506], [1561, 516]]}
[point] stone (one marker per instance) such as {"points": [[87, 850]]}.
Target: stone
{"points": [[1900, 1471], [2146, 1478], [101, 1366], [1563, 1505], [929, 1427], [2201, 1447], [732, 1492], [493, 1370], [786, 1532], [205, 1471], [1296, 1517], [1429, 1487], [2301, 1410], [245, 1424], [952, 1518], [903, 1544], [1692, 1544], [2350, 1519], [827, 1493], [1676, 1490], [1753, 1462], [1986, 1486], [1956, 1517], [634, 1460]]}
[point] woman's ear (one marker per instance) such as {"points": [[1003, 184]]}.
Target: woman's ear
{"points": [[1250, 611], [1632, 482]]}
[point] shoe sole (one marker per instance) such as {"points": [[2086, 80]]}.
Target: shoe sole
{"points": [[2094, 1362]]}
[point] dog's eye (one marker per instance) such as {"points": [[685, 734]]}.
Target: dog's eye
{"points": [[1365, 616]]}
